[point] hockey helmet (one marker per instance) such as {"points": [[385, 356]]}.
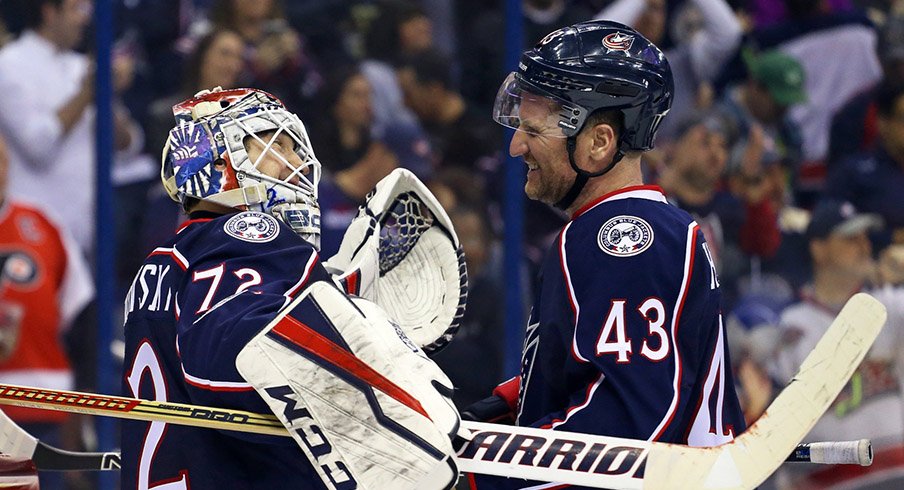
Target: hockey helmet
{"points": [[205, 158], [585, 67]]}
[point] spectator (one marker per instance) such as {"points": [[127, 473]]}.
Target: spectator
{"points": [[734, 229], [758, 112], [854, 127], [767, 148], [401, 28], [276, 59], [754, 339], [342, 192], [837, 51], [215, 62], [483, 41], [874, 181], [44, 284], [872, 405], [461, 134], [698, 54], [46, 95], [342, 132]]}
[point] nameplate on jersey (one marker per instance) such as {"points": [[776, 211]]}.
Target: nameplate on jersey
{"points": [[252, 226], [625, 236]]}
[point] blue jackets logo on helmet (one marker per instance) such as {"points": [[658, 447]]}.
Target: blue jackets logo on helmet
{"points": [[624, 236], [252, 226], [618, 41]]}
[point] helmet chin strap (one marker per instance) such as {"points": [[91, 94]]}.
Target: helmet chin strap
{"points": [[582, 175]]}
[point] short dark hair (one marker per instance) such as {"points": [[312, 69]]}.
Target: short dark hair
{"points": [[381, 36], [430, 66], [28, 13]]}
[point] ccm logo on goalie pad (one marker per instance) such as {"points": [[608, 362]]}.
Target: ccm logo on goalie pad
{"points": [[542, 452], [314, 438]]}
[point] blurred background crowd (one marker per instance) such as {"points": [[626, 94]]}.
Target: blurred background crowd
{"points": [[785, 142]]}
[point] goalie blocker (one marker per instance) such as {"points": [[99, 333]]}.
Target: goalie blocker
{"points": [[366, 405]]}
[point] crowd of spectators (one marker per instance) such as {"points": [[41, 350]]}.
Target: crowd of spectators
{"points": [[785, 140]]}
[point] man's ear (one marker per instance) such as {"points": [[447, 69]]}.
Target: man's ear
{"points": [[603, 142]]}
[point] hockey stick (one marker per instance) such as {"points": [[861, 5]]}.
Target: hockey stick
{"points": [[581, 459], [15, 441]]}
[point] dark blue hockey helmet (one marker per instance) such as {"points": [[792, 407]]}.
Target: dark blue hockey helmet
{"points": [[589, 66]]}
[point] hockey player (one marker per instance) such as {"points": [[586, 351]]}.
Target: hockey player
{"points": [[244, 273], [625, 336]]}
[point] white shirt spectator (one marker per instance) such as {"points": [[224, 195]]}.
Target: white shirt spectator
{"points": [[871, 406], [49, 168]]}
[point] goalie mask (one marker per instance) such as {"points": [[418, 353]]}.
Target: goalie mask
{"points": [[205, 158]]}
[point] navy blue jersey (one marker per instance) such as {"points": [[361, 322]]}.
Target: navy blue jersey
{"points": [[625, 336], [194, 304]]}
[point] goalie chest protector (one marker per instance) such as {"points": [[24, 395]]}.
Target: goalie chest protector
{"points": [[187, 290]]}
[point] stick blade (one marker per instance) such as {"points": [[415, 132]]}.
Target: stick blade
{"points": [[754, 455], [14, 441]]}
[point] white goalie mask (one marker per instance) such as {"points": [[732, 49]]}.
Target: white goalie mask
{"points": [[205, 158]]}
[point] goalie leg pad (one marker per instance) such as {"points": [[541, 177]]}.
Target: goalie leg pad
{"points": [[356, 395]]}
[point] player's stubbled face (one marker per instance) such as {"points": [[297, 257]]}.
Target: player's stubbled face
{"points": [[270, 163], [541, 144]]}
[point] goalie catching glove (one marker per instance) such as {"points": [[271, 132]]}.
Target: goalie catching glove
{"points": [[402, 253], [367, 407]]}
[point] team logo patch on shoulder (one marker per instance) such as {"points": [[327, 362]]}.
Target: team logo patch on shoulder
{"points": [[624, 236], [252, 226]]}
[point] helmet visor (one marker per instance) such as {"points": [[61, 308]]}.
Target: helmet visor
{"points": [[528, 109]]}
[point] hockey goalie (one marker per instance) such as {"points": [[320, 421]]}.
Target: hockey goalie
{"points": [[237, 311]]}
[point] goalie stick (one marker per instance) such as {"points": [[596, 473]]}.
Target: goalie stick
{"points": [[15, 441], [581, 459]]}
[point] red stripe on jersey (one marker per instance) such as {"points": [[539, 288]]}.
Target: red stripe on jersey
{"points": [[564, 265], [598, 200], [171, 253], [308, 339], [591, 389], [304, 278], [575, 309], [191, 222], [682, 295]]}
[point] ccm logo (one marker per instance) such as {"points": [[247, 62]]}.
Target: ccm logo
{"points": [[302, 424], [542, 452]]}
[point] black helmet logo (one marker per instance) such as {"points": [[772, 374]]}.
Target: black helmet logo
{"points": [[618, 41]]}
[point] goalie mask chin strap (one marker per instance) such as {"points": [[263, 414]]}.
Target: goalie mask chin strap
{"points": [[583, 176]]}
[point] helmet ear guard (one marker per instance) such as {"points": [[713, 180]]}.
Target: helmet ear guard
{"points": [[205, 158]]}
